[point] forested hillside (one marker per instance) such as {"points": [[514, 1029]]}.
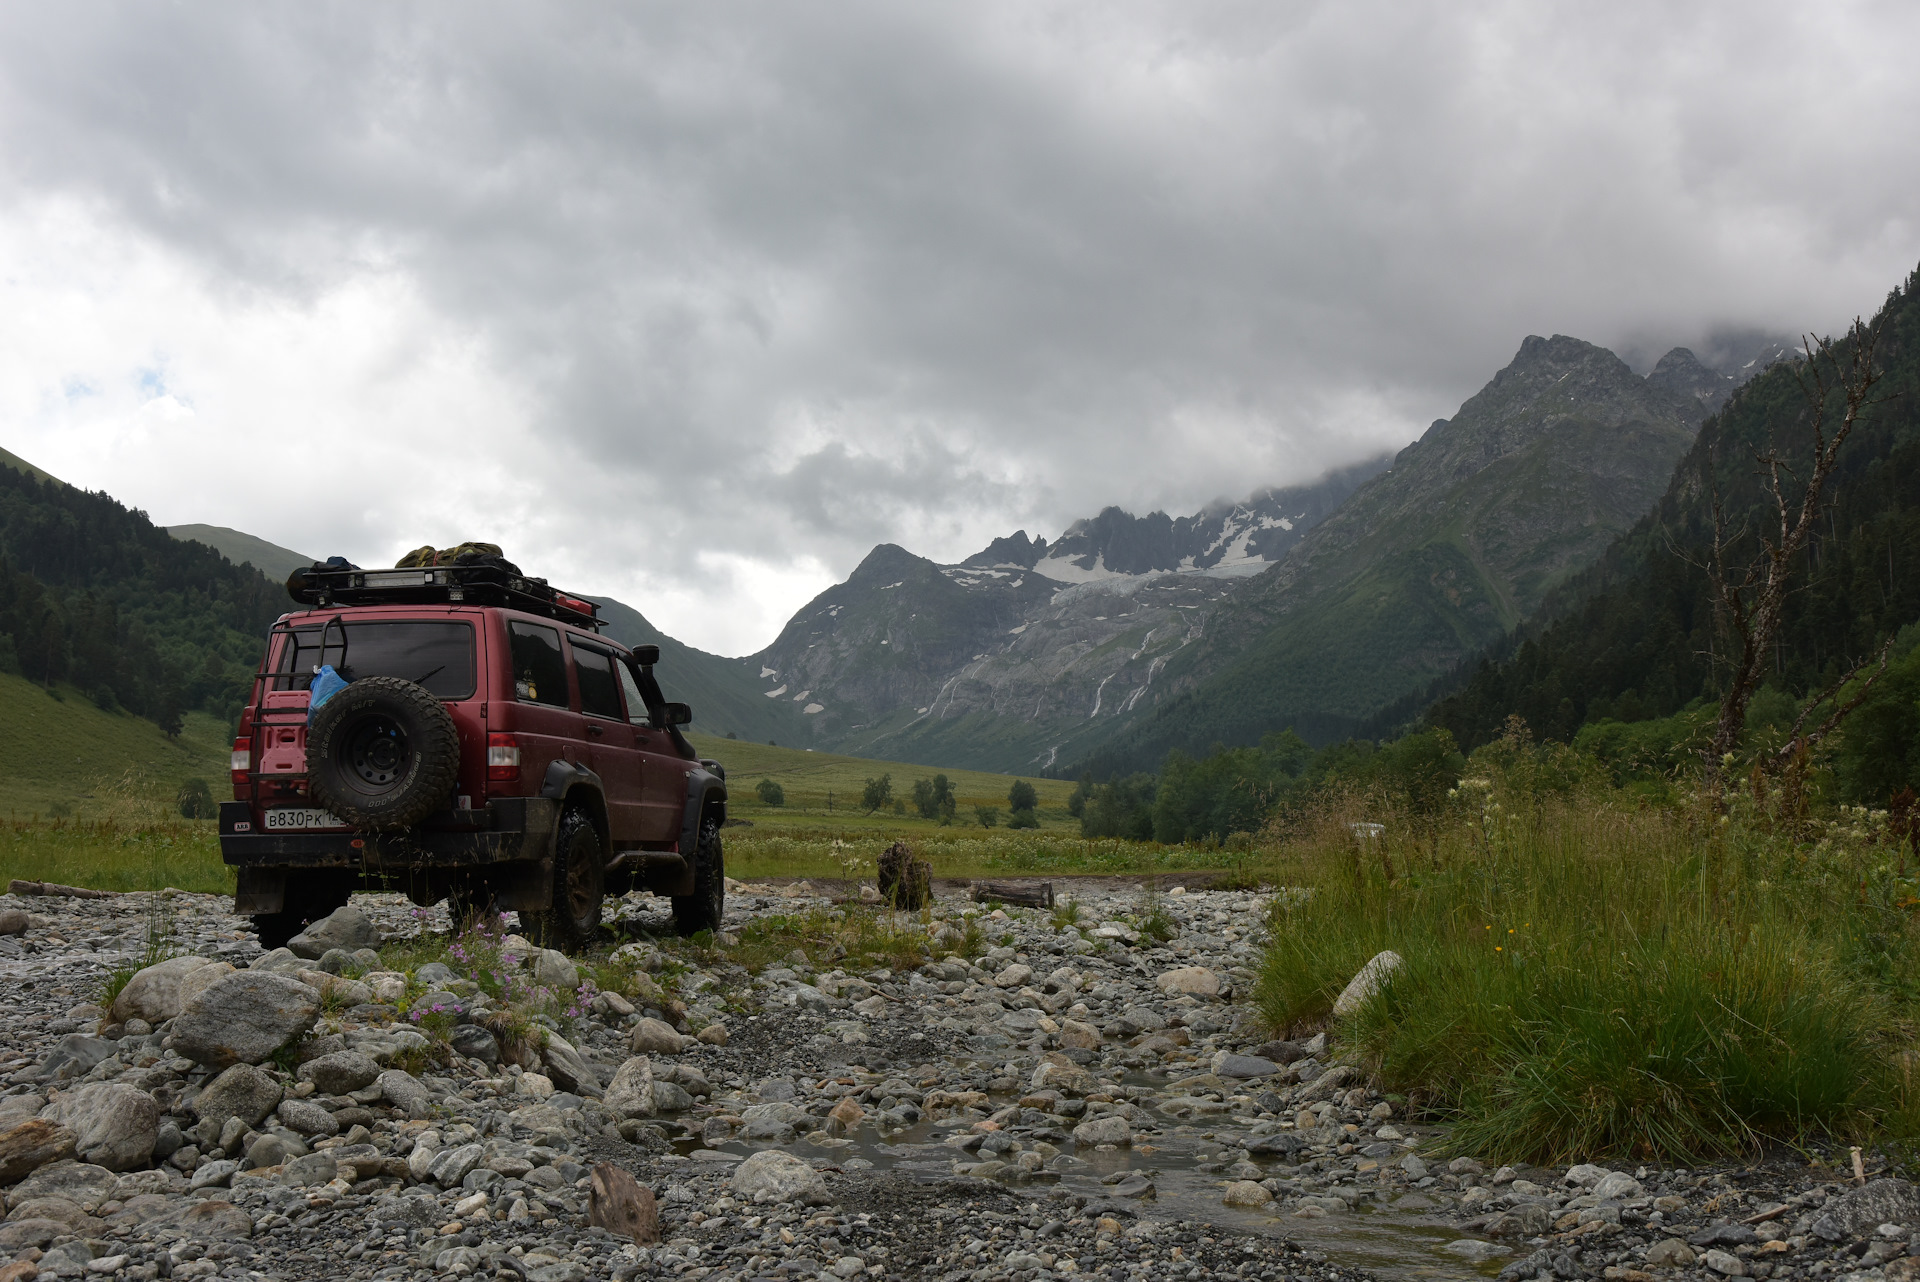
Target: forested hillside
{"points": [[1635, 637], [94, 594]]}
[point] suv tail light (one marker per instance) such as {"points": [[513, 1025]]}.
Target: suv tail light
{"points": [[242, 760], [503, 758]]}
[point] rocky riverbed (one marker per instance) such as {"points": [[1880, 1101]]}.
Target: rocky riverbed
{"points": [[1034, 1101]]}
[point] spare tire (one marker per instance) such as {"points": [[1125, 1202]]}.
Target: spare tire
{"points": [[383, 753]]}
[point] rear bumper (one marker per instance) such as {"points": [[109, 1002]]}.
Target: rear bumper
{"points": [[505, 831]]}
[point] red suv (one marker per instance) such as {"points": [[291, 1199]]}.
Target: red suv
{"points": [[488, 747]]}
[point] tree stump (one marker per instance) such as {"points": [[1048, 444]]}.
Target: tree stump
{"points": [[620, 1206], [905, 882]]}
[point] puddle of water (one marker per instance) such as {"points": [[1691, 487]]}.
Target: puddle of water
{"points": [[1387, 1240]]}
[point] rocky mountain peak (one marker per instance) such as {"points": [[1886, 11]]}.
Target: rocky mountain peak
{"points": [[1682, 374]]}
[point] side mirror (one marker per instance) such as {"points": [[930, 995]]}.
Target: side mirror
{"points": [[679, 714], [646, 655]]}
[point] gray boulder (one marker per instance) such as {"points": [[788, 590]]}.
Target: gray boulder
{"points": [[569, 1069], [773, 1176], [114, 1125], [654, 1037], [1242, 1066], [73, 1056], [630, 1095], [241, 1091], [212, 1219], [309, 1171], [451, 1166], [669, 1097], [27, 1146], [307, 1118], [244, 1017], [340, 1073], [475, 1042], [555, 970], [346, 928], [405, 1091], [1858, 1212], [1103, 1130], [153, 994], [80, 1182]]}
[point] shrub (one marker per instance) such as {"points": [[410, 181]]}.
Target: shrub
{"points": [[1583, 979], [771, 793], [195, 800], [987, 815], [1022, 796], [1023, 819]]}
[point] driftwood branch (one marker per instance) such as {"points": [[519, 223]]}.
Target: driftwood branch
{"points": [[54, 888], [1019, 895]]}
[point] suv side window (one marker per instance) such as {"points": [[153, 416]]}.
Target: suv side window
{"points": [[539, 670], [636, 706], [599, 692]]}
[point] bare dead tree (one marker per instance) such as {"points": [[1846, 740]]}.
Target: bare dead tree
{"points": [[1751, 598]]}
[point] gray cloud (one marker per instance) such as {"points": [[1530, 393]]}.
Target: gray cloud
{"points": [[724, 294]]}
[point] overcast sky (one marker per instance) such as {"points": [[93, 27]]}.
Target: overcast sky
{"points": [[692, 304]]}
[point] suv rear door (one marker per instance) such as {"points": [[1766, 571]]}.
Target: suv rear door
{"points": [[546, 724], [615, 757]]}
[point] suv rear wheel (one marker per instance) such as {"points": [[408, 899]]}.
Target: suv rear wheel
{"points": [[572, 916], [704, 908]]}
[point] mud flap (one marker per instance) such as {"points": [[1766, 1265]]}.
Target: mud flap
{"points": [[259, 890]]}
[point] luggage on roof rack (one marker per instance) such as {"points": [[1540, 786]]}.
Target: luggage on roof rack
{"points": [[476, 583]]}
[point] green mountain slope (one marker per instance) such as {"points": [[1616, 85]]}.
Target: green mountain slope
{"points": [[18, 464], [270, 559], [1632, 638], [61, 754], [1462, 539], [725, 693]]}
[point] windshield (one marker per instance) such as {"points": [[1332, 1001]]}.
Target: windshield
{"points": [[437, 655]]}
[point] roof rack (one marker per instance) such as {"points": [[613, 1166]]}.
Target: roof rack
{"points": [[472, 584]]}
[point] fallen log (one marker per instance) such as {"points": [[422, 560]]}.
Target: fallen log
{"points": [[54, 888], [1014, 894]]}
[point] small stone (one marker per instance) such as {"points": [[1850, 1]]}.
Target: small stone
{"points": [[1103, 1130], [773, 1176], [555, 970], [1243, 1066], [217, 1220], [618, 1204], [217, 1174], [471, 1041], [654, 1037], [79, 1182], [1246, 1193], [845, 1116], [1364, 985], [1671, 1253], [1014, 976], [154, 992], [346, 927], [309, 1172], [340, 1073], [568, 1068], [1725, 1263], [1078, 1036], [452, 1165], [307, 1118], [714, 1034], [630, 1094], [538, 1086], [12, 921], [1197, 981], [404, 1091], [241, 1091]]}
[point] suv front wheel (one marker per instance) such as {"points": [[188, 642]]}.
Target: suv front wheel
{"points": [[703, 909], [572, 916]]}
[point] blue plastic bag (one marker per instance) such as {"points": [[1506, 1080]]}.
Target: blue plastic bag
{"points": [[326, 684]]}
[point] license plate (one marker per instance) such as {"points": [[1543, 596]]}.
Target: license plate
{"points": [[287, 817]]}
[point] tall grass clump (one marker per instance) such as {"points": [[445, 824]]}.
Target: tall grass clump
{"points": [[1585, 978]]}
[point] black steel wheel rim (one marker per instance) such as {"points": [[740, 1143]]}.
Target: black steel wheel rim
{"points": [[376, 753]]}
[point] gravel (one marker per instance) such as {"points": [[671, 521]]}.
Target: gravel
{"points": [[1064, 1104]]}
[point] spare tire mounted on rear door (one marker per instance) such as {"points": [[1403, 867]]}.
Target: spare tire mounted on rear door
{"points": [[382, 753]]}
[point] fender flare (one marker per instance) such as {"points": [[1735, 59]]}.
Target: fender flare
{"points": [[706, 792], [569, 780]]}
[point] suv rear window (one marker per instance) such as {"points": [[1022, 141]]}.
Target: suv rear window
{"points": [[436, 654]]}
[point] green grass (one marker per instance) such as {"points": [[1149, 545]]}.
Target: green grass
{"points": [[1584, 979], [809, 777], [61, 756], [107, 855]]}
